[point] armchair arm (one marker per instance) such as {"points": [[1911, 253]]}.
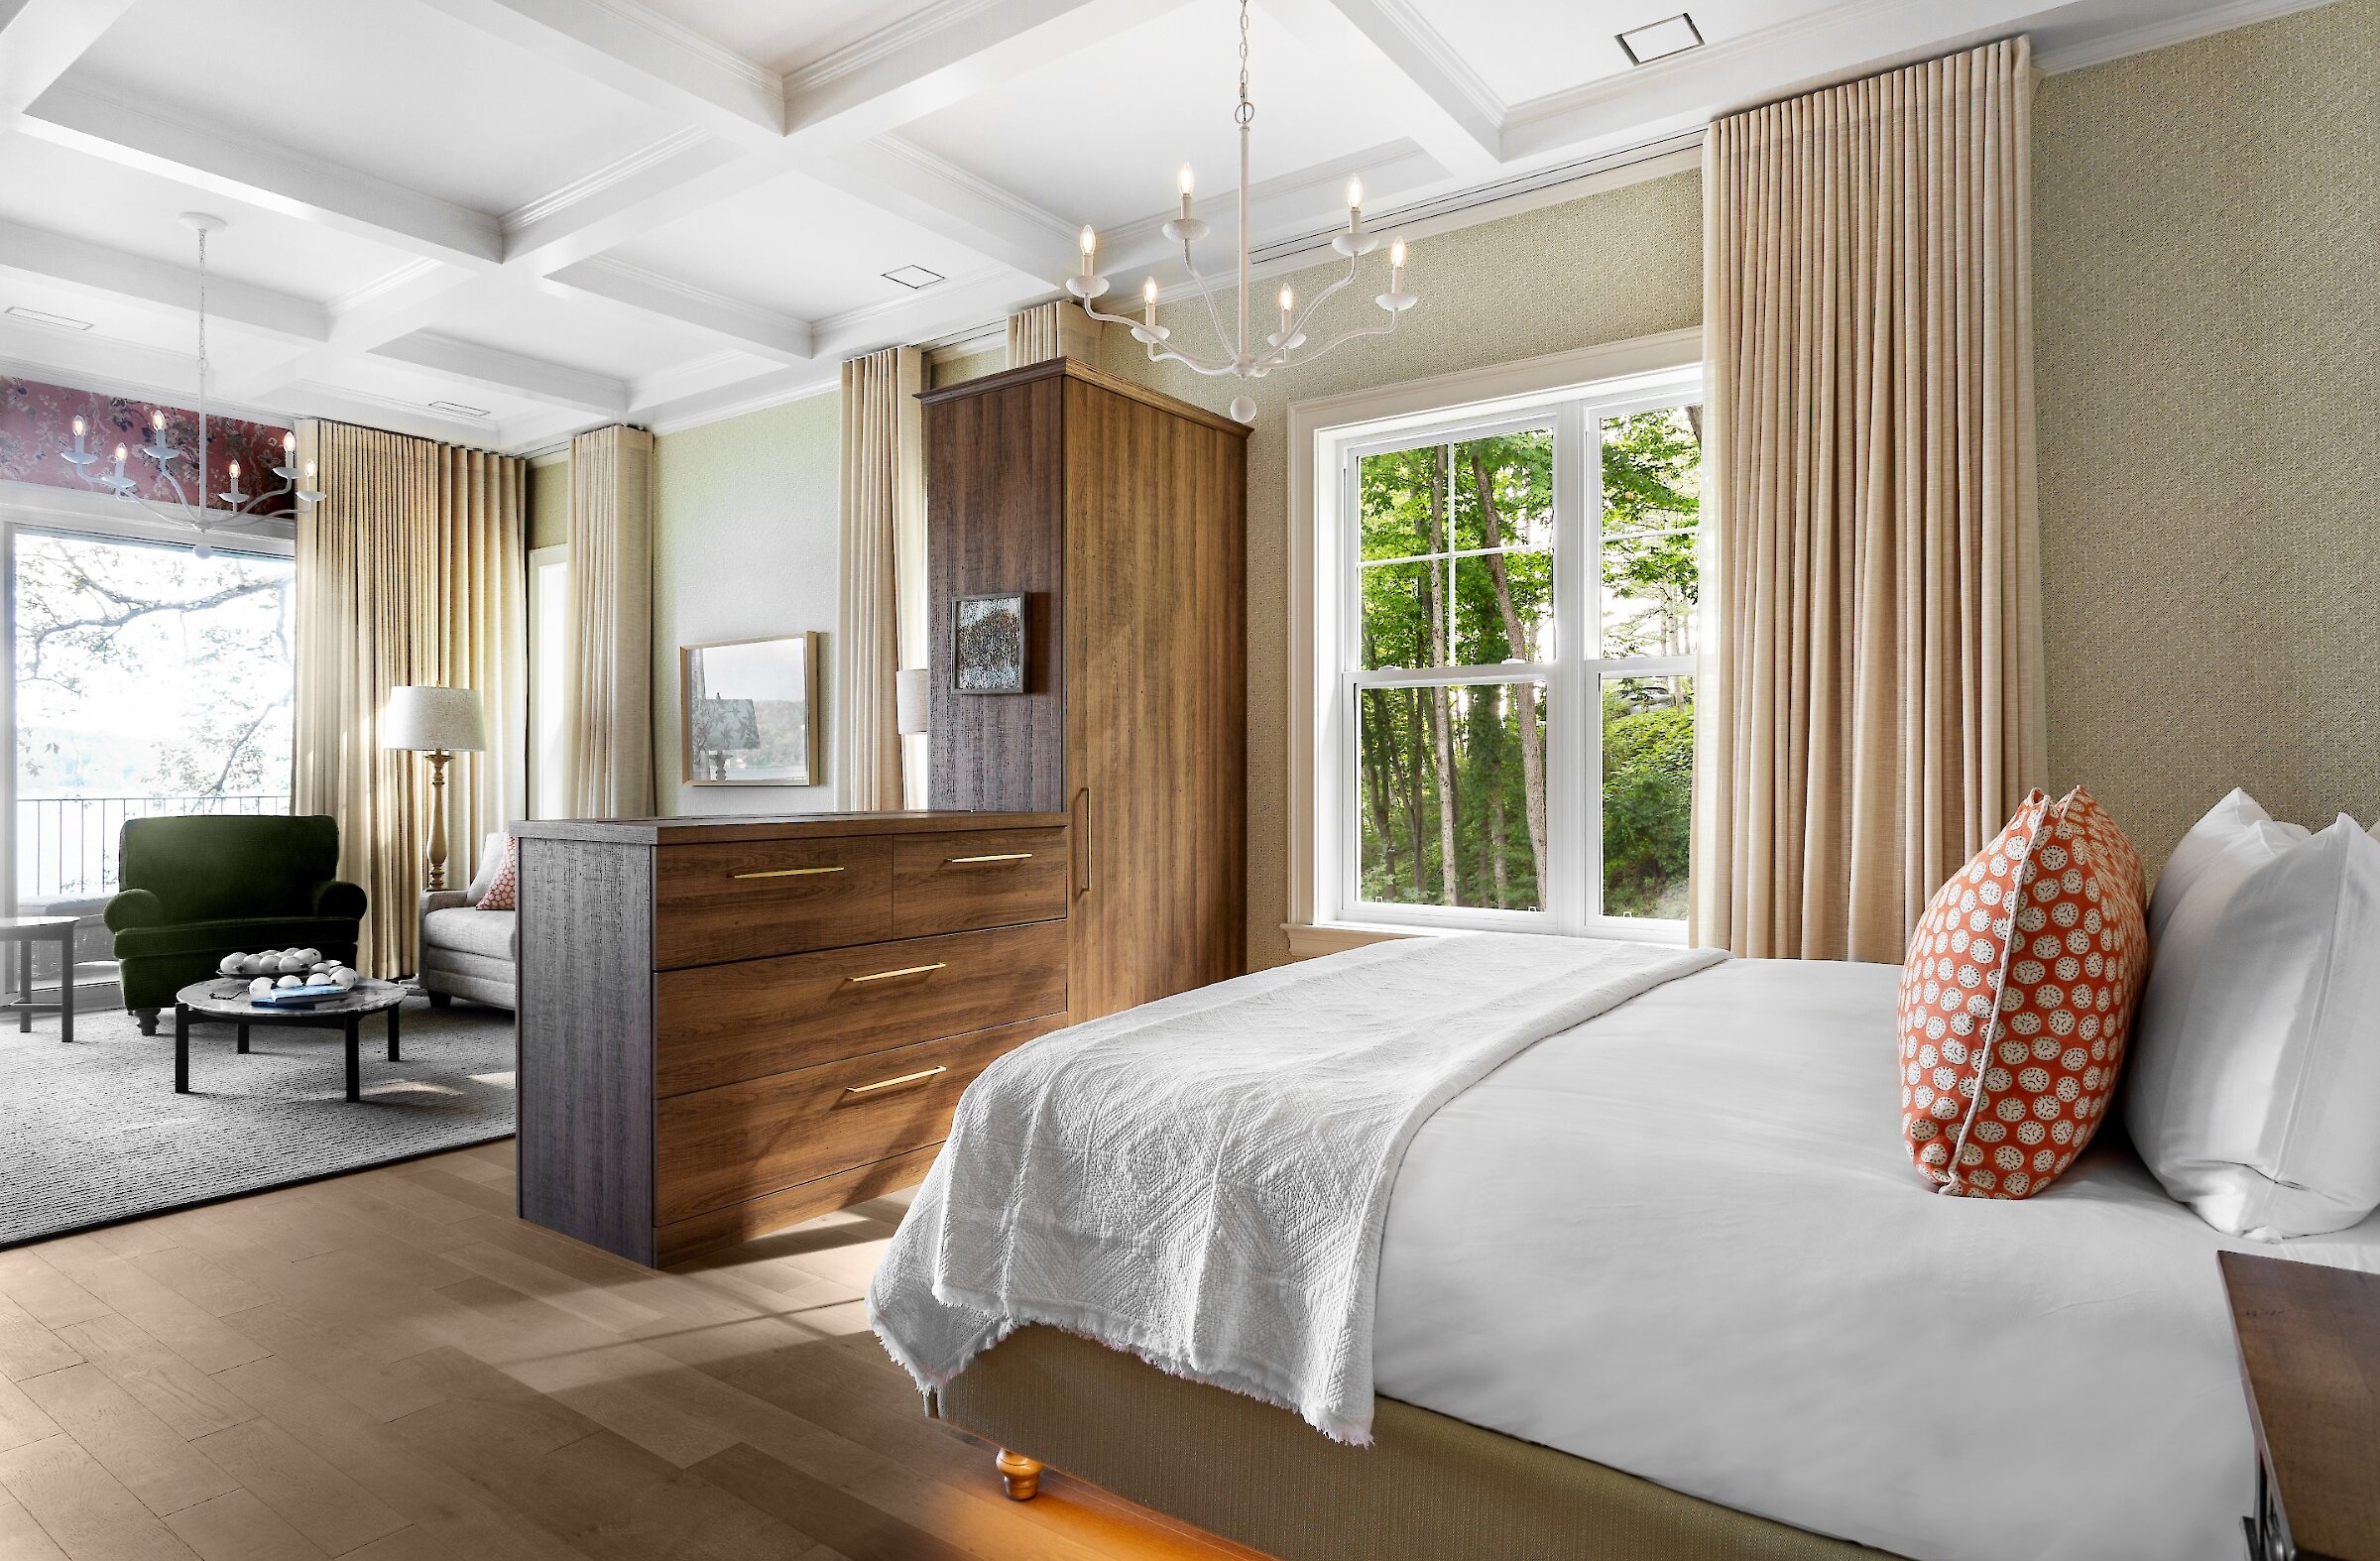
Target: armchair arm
{"points": [[337, 898], [445, 900], [134, 907]]}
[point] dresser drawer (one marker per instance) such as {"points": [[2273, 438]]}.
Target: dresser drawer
{"points": [[981, 879], [719, 1147], [722, 1023], [743, 900]]}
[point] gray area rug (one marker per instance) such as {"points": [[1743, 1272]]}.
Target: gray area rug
{"points": [[93, 1132]]}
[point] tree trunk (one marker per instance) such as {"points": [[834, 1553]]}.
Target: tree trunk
{"points": [[1413, 823], [1499, 873], [1379, 743], [1532, 740], [1442, 752]]}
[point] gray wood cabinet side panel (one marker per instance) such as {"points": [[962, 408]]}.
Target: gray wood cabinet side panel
{"points": [[586, 1025]]}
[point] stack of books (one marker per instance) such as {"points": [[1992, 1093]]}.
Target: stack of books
{"points": [[299, 997]]}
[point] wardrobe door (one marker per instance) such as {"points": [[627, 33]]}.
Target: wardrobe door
{"points": [[1155, 646], [994, 525]]}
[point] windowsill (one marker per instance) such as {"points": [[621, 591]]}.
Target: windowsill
{"points": [[1309, 939]]}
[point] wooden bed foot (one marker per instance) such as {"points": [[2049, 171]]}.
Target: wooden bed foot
{"points": [[1021, 1475]]}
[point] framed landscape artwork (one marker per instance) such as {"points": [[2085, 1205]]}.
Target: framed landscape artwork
{"points": [[749, 711], [988, 654]]}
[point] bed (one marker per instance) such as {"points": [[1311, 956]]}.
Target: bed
{"points": [[1664, 1284]]}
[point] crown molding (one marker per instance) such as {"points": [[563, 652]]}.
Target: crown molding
{"points": [[2165, 34], [1477, 95], [385, 283], [880, 46], [999, 196], [685, 40], [617, 170]]}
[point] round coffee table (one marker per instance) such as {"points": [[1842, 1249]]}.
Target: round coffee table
{"points": [[225, 999]]}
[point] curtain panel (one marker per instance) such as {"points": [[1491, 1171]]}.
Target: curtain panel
{"points": [[883, 613], [1873, 692], [411, 570], [608, 687], [1033, 335]]}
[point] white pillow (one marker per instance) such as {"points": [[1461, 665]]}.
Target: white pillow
{"points": [[2255, 1088], [491, 862]]}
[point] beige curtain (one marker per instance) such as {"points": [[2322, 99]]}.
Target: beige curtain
{"points": [[1872, 688], [609, 695], [411, 570], [884, 572], [1053, 330]]}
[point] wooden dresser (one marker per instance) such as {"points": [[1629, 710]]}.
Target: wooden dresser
{"points": [[729, 1025]]}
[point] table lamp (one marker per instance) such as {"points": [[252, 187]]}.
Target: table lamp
{"points": [[438, 722]]}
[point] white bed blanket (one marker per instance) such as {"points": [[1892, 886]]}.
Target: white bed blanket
{"points": [[1685, 1239], [1203, 1181]]}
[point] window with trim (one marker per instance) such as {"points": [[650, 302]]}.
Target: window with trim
{"points": [[1514, 697]]}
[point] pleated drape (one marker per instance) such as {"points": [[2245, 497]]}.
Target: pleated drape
{"points": [[609, 692], [884, 572], [1873, 696], [411, 570], [1033, 335]]}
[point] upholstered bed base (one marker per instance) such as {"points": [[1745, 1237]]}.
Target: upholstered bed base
{"points": [[1429, 1488]]}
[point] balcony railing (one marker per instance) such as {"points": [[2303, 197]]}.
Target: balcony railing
{"points": [[67, 845]]}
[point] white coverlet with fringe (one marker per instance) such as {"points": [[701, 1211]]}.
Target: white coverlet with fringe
{"points": [[1203, 1181]]}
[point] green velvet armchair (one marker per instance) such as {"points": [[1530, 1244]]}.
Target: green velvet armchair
{"points": [[198, 888]]}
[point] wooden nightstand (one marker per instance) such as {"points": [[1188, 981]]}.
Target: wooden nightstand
{"points": [[2310, 1357]]}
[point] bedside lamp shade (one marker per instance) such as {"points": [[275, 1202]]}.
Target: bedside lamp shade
{"points": [[910, 700], [428, 719]]}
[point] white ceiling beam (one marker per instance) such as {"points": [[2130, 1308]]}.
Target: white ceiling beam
{"points": [[258, 174], [610, 283], [942, 56], [40, 39], [552, 383], [1444, 105], [897, 177], [643, 54], [156, 283]]}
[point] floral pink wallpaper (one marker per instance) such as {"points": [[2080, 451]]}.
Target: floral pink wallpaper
{"points": [[37, 426]]}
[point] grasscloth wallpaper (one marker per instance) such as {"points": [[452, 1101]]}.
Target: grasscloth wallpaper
{"points": [[2206, 317], [1606, 268]]}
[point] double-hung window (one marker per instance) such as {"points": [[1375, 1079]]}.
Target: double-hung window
{"points": [[1510, 596]]}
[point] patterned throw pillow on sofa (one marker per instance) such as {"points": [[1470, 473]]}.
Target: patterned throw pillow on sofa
{"points": [[2017, 998], [504, 891]]}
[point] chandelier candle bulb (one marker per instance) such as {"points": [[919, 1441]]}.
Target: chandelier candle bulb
{"points": [[1090, 244], [1396, 267], [1355, 206], [1149, 301], [1185, 183], [1288, 303]]}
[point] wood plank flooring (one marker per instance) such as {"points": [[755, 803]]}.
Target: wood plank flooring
{"points": [[389, 1367]]}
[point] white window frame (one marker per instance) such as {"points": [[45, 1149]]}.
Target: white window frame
{"points": [[1572, 393]]}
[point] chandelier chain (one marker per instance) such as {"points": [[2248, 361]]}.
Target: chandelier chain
{"points": [[1245, 113]]}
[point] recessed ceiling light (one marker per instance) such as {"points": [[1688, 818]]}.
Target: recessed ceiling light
{"points": [[1659, 40], [914, 276], [455, 409], [44, 317]]}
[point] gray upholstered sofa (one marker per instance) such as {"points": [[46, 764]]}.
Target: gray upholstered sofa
{"points": [[467, 952]]}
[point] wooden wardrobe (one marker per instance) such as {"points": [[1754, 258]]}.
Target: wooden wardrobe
{"points": [[1119, 515]]}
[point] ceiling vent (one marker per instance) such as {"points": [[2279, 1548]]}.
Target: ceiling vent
{"points": [[914, 276], [1660, 39], [455, 409], [44, 317]]}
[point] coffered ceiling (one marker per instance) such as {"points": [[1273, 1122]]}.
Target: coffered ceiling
{"points": [[552, 214]]}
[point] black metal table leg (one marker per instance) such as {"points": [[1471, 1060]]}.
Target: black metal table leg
{"points": [[243, 1030], [182, 1048], [355, 1070], [393, 1057], [25, 974], [66, 985]]}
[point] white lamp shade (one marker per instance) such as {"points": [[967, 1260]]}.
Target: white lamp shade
{"points": [[421, 718], [910, 700]]}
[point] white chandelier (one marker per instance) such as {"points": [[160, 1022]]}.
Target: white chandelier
{"points": [[234, 504], [1247, 361]]}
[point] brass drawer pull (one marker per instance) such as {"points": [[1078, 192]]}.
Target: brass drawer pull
{"points": [[998, 856], [906, 970], [791, 872], [886, 1084]]}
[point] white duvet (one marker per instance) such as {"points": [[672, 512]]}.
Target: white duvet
{"points": [[1683, 1240]]}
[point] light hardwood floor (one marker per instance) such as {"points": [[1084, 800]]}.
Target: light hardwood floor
{"points": [[389, 1367]]}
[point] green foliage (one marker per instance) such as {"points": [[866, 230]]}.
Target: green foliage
{"points": [[1458, 571], [1649, 806]]}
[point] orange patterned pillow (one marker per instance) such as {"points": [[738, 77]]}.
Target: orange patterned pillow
{"points": [[2017, 998]]}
